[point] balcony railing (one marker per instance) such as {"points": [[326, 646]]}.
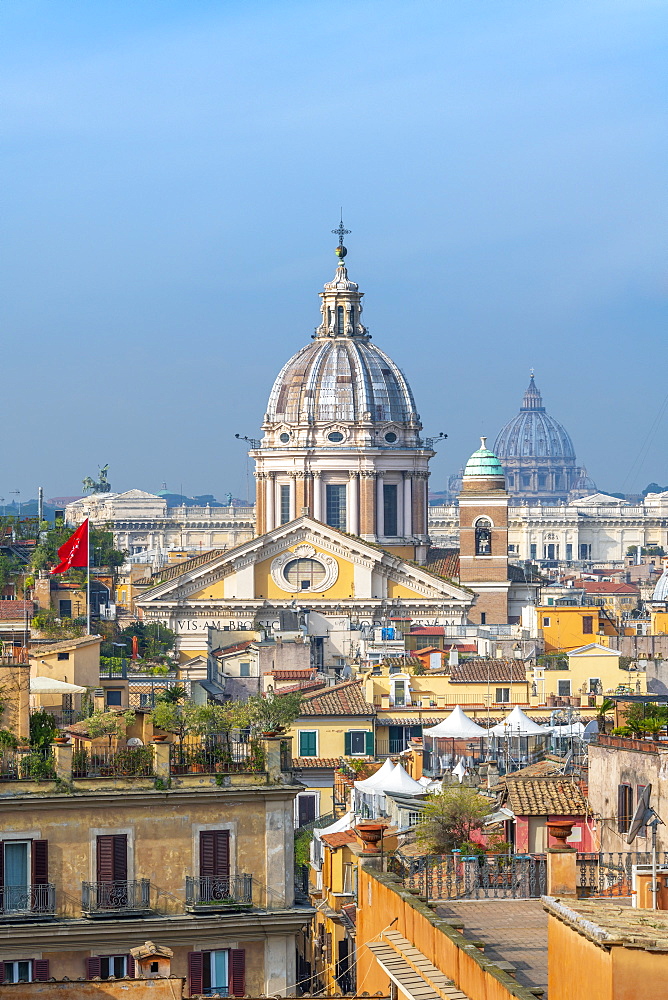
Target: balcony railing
{"points": [[225, 892], [116, 899], [27, 765], [27, 901], [211, 757]]}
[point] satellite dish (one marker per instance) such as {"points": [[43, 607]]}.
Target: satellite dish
{"points": [[134, 741], [591, 729], [641, 816]]}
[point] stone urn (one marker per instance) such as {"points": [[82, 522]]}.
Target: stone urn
{"points": [[370, 834], [560, 829], [61, 741]]}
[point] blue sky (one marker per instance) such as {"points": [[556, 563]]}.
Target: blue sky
{"points": [[171, 172]]}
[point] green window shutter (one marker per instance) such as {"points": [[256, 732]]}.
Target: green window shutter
{"points": [[347, 745], [307, 744], [369, 745]]}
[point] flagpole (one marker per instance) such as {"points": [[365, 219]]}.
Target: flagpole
{"points": [[88, 580]]}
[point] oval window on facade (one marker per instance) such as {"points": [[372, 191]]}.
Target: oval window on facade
{"points": [[284, 438], [335, 436], [390, 437], [305, 574]]}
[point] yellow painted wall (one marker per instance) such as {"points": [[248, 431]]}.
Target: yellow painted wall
{"points": [[395, 589], [342, 587], [596, 663], [659, 623], [565, 629], [331, 733]]}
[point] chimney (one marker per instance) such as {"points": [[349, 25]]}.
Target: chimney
{"points": [[152, 961]]}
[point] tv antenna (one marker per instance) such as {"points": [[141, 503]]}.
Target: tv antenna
{"points": [[431, 441], [645, 816], [253, 442]]}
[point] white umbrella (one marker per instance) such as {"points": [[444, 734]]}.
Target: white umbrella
{"points": [[48, 685], [457, 726], [518, 724]]}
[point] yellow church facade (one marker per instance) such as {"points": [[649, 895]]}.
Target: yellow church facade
{"points": [[303, 565]]}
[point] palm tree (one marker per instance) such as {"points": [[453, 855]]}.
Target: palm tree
{"points": [[606, 706], [173, 695]]}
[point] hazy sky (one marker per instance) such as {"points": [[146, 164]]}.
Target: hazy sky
{"points": [[172, 170]]}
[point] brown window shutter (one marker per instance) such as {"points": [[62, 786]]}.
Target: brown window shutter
{"points": [[93, 967], [2, 872], [121, 858], [222, 853], [207, 854], [131, 966], [2, 972], [237, 972], [40, 862], [40, 970], [195, 972], [105, 859]]}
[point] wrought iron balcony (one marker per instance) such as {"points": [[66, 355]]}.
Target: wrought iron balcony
{"points": [[27, 902], [116, 899], [212, 893]]}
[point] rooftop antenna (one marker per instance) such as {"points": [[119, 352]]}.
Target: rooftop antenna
{"points": [[646, 816], [431, 441]]}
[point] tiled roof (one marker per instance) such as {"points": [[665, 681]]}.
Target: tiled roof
{"points": [[481, 670], [339, 839], [176, 569], [342, 699], [296, 674], [445, 562], [56, 647], [601, 587], [424, 651], [541, 769], [428, 630], [387, 720], [555, 796], [238, 647], [520, 574], [301, 762], [16, 609], [301, 686]]}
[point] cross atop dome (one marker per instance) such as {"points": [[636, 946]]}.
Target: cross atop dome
{"points": [[341, 251]]}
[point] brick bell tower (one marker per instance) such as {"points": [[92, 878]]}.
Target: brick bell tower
{"points": [[483, 537]]}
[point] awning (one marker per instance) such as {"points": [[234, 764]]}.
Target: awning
{"points": [[48, 685], [411, 971]]}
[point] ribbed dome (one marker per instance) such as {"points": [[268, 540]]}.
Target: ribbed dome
{"points": [[341, 378], [483, 462], [661, 589], [533, 433]]}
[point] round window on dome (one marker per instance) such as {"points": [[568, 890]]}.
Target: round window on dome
{"points": [[335, 436], [284, 438], [390, 437]]}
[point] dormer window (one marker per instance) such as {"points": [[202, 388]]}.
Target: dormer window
{"points": [[483, 537]]}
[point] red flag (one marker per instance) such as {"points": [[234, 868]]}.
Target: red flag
{"points": [[74, 552]]}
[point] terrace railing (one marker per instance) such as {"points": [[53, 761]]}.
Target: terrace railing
{"points": [[126, 762], [609, 873], [27, 765], [216, 757]]}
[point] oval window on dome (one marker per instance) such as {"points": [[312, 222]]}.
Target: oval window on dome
{"points": [[390, 437], [335, 436], [284, 438]]}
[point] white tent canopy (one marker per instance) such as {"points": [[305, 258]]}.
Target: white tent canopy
{"points": [[48, 685], [401, 781], [518, 724], [377, 780], [571, 729], [457, 726], [338, 826]]}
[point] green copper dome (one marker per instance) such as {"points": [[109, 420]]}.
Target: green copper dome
{"points": [[483, 462]]}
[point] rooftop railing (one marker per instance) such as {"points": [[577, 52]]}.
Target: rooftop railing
{"points": [[208, 757], [127, 762]]}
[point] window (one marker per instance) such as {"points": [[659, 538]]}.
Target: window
{"points": [[222, 972], [284, 497], [244, 669], [585, 551], [340, 328], [587, 625], [564, 688], [16, 894], [112, 868], [390, 509], [114, 698], [483, 617], [526, 480], [358, 743], [542, 480], [546, 621], [307, 808], [63, 656], [305, 574], [502, 696], [214, 863], [511, 548], [413, 817], [569, 551], [390, 437], [284, 438], [532, 551], [336, 437], [18, 971], [595, 685], [399, 693], [624, 807], [113, 965], [335, 501], [65, 609], [483, 537], [308, 743]]}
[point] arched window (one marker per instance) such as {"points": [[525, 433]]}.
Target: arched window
{"points": [[483, 537], [340, 321]]}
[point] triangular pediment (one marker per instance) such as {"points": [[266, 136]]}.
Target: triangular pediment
{"points": [[309, 559]]}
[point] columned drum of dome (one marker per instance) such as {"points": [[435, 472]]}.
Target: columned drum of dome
{"points": [[342, 434], [537, 454]]}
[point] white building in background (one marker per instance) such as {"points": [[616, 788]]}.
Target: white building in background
{"points": [[597, 528], [143, 524]]}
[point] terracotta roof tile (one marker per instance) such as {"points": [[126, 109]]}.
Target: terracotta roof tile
{"points": [[237, 647], [444, 562], [302, 762], [601, 587], [16, 609], [341, 699], [481, 670], [555, 796], [428, 630], [339, 839]]}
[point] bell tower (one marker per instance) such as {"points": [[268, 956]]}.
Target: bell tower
{"points": [[483, 537]]}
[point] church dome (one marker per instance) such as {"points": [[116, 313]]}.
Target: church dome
{"points": [[533, 433], [341, 376], [483, 462], [661, 588]]}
